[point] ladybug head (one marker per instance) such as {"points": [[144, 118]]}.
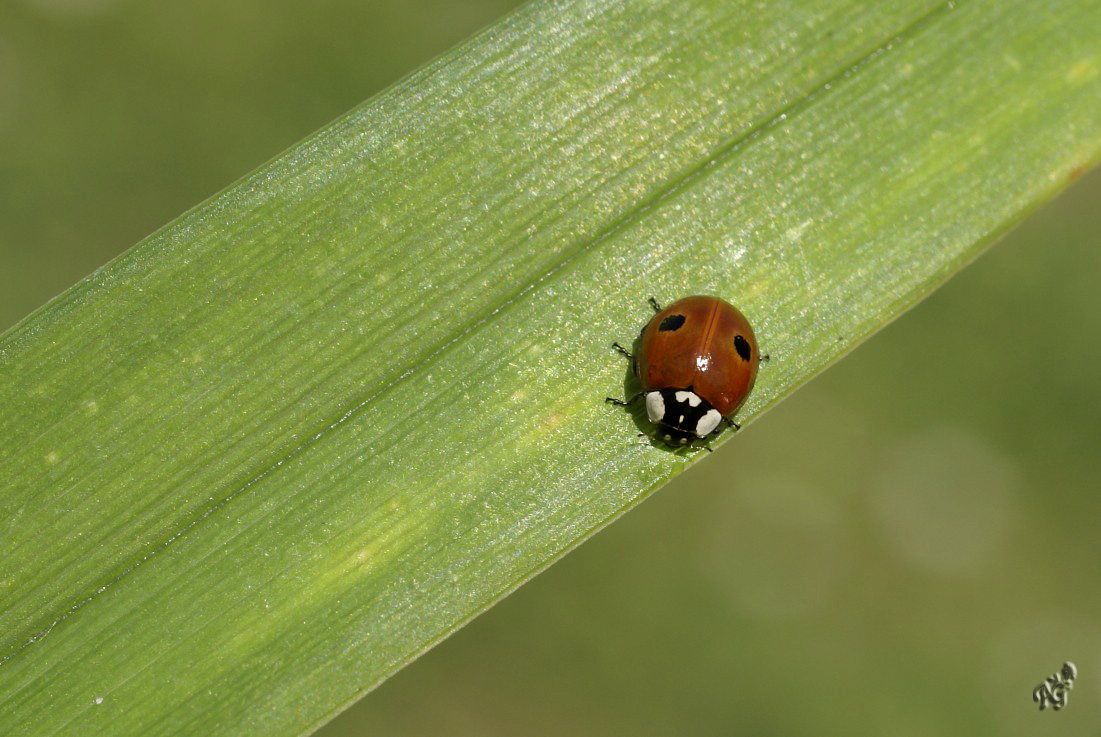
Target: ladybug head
{"points": [[681, 415]]}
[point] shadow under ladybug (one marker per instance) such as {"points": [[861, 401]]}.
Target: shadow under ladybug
{"points": [[696, 362]]}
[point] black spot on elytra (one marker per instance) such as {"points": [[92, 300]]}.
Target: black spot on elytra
{"points": [[673, 322], [741, 345]]}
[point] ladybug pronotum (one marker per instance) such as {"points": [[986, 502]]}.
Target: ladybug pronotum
{"points": [[697, 361]]}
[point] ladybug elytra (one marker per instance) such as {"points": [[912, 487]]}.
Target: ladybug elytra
{"points": [[697, 361]]}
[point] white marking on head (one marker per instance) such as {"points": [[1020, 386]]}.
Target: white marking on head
{"points": [[684, 441], [708, 423], [680, 420], [690, 397], [655, 407]]}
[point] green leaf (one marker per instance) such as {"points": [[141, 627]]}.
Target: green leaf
{"points": [[296, 437]]}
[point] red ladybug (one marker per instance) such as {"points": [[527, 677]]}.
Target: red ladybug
{"points": [[697, 361]]}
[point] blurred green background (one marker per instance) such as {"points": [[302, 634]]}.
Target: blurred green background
{"points": [[907, 546]]}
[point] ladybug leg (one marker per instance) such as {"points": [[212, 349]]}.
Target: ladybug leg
{"points": [[731, 423], [655, 305], [762, 359], [621, 402], [623, 350]]}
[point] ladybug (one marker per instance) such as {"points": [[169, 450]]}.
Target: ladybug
{"points": [[697, 361]]}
